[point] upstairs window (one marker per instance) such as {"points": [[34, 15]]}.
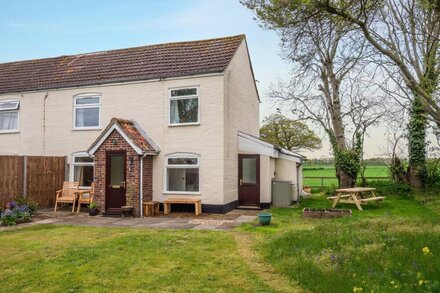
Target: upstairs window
{"points": [[184, 106], [87, 110], [182, 173], [9, 115]]}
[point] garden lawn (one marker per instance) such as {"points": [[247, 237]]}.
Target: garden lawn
{"points": [[390, 249], [70, 259]]}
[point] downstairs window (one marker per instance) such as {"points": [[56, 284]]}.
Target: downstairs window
{"points": [[83, 170], [182, 174]]}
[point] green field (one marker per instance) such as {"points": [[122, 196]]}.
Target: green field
{"points": [[329, 171]]}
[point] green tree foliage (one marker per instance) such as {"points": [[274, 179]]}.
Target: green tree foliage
{"points": [[289, 134]]}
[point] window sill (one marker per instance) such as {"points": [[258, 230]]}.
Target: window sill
{"points": [[9, 131], [182, 192], [86, 128], [184, 124]]}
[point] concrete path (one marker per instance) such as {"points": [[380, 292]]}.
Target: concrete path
{"points": [[172, 221]]}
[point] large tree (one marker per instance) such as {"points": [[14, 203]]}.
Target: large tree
{"points": [[405, 35], [290, 134], [323, 87]]}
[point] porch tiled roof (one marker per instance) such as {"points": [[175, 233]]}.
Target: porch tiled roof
{"points": [[134, 134], [139, 63], [132, 131]]}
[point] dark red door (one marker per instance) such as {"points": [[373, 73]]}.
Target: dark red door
{"points": [[115, 181], [249, 180]]}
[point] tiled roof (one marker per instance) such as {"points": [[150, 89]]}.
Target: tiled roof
{"points": [[139, 63], [132, 130], [134, 133]]}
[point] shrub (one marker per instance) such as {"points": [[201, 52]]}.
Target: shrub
{"points": [[31, 205], [17, 212], [8, 220], [330, 190], [384, 187], [432, 178]]}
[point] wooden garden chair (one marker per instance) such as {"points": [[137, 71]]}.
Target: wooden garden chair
{"points": [[67, 194], [85, 196]]}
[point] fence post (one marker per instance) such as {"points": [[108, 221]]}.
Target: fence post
{"points": [[322, 184], [25, 175]]}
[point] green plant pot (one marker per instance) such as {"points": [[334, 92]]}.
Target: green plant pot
{"points": [[93, 212], [264, 218]]}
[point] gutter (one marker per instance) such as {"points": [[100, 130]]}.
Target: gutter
{"points": [[115, 82]]}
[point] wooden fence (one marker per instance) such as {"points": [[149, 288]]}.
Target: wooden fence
{"points": [[326, 179], [35, 177]]}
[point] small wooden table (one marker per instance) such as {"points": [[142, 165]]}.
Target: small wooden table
{"points": [[197, 202], [356, 195], [151, 208]]}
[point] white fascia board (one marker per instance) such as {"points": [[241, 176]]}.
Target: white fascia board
{"points": [[298, 158], [289, 158], [122, 133], [248, 143]]}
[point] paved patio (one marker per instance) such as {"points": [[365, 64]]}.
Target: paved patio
{"points": [[175, 220]]}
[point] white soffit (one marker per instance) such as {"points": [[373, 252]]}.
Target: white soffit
{"points": [[251, 144]]}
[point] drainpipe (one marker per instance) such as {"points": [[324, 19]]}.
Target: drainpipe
{"points": [[44, 123], [298, 166], [141, 201]]}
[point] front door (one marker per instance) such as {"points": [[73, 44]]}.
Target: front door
{"points": [[115, 181], [249, 180]]}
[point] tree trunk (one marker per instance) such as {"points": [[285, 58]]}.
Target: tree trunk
{"points": [[417, 144], [345, 180]]}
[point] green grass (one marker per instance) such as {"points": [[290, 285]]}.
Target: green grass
{"points": [[378, 249], [329, 171], [76, 259]]}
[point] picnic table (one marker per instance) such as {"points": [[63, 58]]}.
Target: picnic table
{"points": [[356, 195]]}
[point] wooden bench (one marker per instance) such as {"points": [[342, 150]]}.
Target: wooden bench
{"points": [[356, 195], [151, 208], [334, 197], [197, 202]]}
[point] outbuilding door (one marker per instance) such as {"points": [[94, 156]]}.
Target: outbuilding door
{"points": [[115, 189], [249, 180]]}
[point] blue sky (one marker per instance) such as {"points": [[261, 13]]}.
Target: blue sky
{"points": [[36, 29]]}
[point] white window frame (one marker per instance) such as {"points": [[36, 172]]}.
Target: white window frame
{"points": [[167, 166], [196, 96], [97, 105], [78, 164], [12, 110]]}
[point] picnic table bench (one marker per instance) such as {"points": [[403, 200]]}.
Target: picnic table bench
{"points": [[197, 202], [356, 195]]}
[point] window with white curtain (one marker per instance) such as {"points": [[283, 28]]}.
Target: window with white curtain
{"points": [[184, 106], [87, 110], [82, 169], [9, 115], [182, 173]]}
